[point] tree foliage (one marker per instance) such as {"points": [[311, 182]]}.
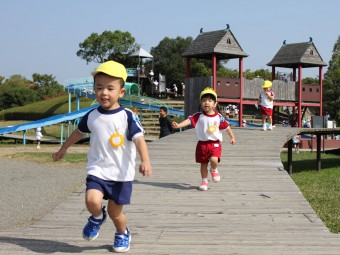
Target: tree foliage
{"points": [[331, 95], [46, 85], [168, 60], [19, 91], [310, 80], [16, 91], [109, 45]]}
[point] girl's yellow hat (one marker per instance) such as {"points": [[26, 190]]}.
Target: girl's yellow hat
{"points": [[210, 91], [267, 84]]}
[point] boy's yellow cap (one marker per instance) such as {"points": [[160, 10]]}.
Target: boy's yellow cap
{"points": [[111, 68], [210, 91], [267, 84]]}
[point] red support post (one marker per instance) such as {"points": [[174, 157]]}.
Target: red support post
{"points": [[240, 118], [273, 73], [300, 97], [321, 89]]}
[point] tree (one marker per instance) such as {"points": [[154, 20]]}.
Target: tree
{"points": [[17, 91], [168, 60], [46, 85], [263, 73], [227, 72], [310, 80], [109, 45], [331, 95]]}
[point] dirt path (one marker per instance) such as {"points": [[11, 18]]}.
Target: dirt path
{"points": [[30, 190]]}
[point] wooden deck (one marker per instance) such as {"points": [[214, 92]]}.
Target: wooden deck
{"points": [[255, 209]]}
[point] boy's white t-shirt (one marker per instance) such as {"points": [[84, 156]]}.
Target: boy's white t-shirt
{"points": [[208, 127], [112, 151]]}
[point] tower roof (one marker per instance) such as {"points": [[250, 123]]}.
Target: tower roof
{"points": [[295, 54], [221, 42]]}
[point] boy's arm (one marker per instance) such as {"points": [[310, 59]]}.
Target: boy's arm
{"points": [[182, 124], [145, 165], [74, 137], [231, 135], [169, 121]]}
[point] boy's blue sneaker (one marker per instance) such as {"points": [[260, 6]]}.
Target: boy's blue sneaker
{"points": [[91, 230], [122, 242]]}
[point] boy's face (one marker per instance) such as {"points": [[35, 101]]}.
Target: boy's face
{"points": [[162, 113], [266, 89], [108, 90]]}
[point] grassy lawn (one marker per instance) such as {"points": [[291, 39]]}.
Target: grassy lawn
{"points": [[45, 157], [43, 109], [321, 189]]}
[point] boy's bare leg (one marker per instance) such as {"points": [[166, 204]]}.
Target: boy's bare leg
{"points": [[94, 200], [116, 214]]}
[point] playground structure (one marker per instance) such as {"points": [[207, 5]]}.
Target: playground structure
{"points": [[222, 45], [145, 78]]}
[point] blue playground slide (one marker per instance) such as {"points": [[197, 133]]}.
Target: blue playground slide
{"points": [[47, 121], [77, 88]]}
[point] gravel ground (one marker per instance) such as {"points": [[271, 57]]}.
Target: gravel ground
{"points": [[31, 190]]}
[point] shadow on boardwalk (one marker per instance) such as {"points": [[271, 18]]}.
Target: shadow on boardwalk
{"points": [[255, 209]]}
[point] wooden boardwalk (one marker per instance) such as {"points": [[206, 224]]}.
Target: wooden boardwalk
{"points": [[255, 209]]}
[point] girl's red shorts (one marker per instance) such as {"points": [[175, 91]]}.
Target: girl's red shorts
{"points": [[266, 111], [208, 149]]}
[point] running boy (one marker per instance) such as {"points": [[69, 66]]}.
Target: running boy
{"points": [[115, 135], [266, 103], [208, 125]]}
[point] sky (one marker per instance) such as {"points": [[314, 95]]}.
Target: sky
{"points": [[39, 36]]}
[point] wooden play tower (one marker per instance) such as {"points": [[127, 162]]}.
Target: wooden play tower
{"points": [[297, 56], [222, 45]]}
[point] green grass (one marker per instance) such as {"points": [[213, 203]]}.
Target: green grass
{"points": [[42, 109], [46, 157], [320, 188]]}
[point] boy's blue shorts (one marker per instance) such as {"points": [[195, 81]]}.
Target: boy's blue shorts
{"points": [[119, 192]]}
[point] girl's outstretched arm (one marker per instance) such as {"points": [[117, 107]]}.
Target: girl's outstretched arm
{"points": [[182, 124]]}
